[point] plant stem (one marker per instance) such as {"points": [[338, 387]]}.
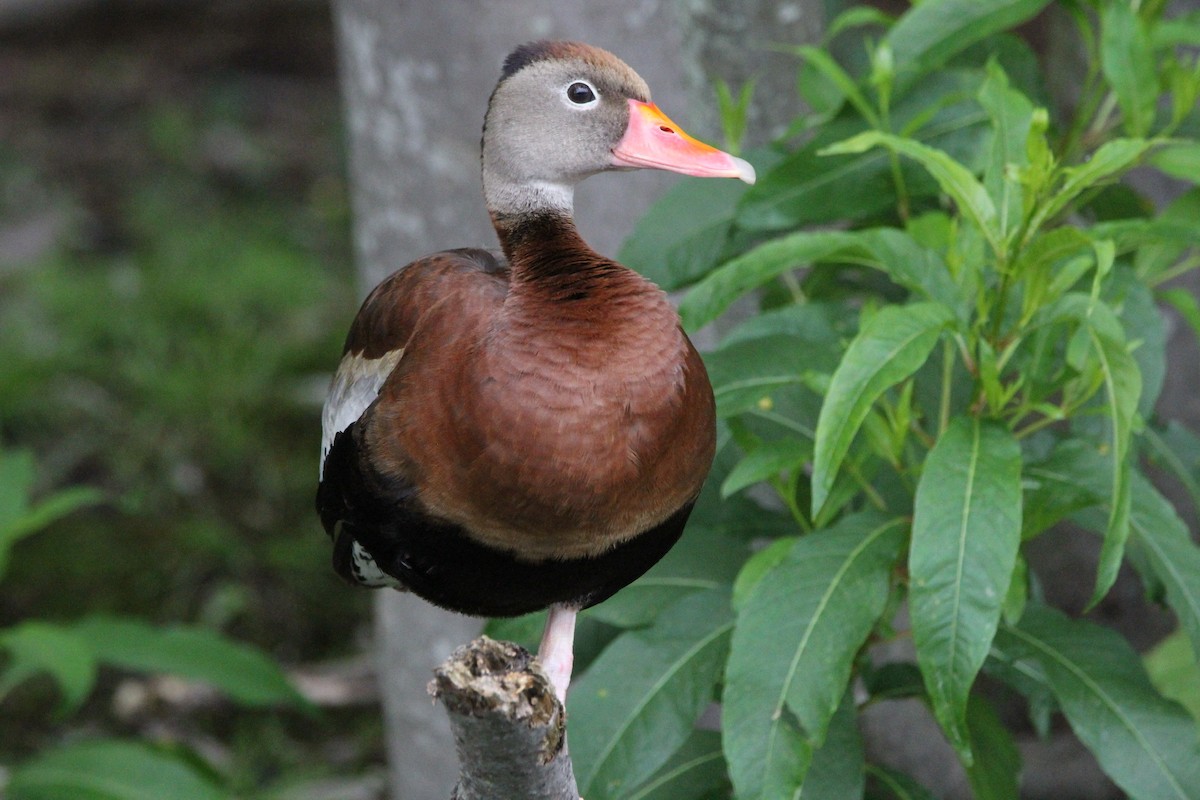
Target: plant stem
{"points": [[947, 389], [1183, 267]]}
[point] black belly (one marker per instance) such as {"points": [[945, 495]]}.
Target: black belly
{"points": [[440, 562]]}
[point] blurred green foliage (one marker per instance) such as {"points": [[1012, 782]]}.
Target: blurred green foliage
{"points": [[181, 371], [168, 350]]}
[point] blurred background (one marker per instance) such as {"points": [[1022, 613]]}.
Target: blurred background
{"points": [[175, 281]]}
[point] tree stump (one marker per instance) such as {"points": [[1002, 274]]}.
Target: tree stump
{"points": [[509, 729]]}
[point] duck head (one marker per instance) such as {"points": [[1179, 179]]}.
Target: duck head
{"points": [[563, 111]]}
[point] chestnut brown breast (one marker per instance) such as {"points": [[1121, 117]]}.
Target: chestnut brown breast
{"points": [[547, 427]]}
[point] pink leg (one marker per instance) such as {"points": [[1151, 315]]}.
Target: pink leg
{"points": [[556, 651]]}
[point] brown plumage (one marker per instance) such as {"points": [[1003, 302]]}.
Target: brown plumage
{"points": [[509, 434]]}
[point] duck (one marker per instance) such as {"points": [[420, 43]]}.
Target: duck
{"points": [[525, 429]]}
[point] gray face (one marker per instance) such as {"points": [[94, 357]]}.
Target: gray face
{"points": [[555, 122]]}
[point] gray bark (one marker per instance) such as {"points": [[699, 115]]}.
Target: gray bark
{"points": [[735, 41], [509, 729]]}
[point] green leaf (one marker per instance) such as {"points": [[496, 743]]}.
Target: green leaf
{"points": [[1128, 63], [637, 703], [930, 33], [17, 519], [1179, 159], [766, 462], [1164, 541], [1146, 744], [796, 638], [916, 267], [718, 290], [893, 252], [696, 771], [993, 776], [1183, 29], [707, 557], [1072, 477], [243, 672], [954, 179], [1144, 325], [34, 647], [16, 482], [1159, 243], [749, 374], [757, 566], [857, 17], [1175, 449], [1183, 301], [966, 531], [1010, 113], [1175, 671], [1113, 159], [684, 234], [108, 769], [892, 346], [806, 188], [1123, 388], [838, 768], [889, 783], [821, 61]]}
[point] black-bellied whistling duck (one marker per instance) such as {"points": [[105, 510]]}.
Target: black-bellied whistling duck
{"points": [[507, 434]]}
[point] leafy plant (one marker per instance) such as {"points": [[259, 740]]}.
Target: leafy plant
{"points": [[957, 346], [72, 653]]}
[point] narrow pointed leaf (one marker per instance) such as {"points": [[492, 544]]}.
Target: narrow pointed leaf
{"points": [[1112, 160], [838, 768], [1174, 670], [766, 462], [243, 672], [890, 251], [109, 769], [34, 647], [1123, 388], [1128, 63], [890, 784], [807, 189], [891, 346], [637, 703], [797, 634], [1145, 743], [1072, 477], [994, 775], [1010, 113], [966, 532], [1076, 476], [707, 557], [935, 30], [1179, 159], [715, 293], [1164, 541], [696, 771], [745, 373], [821, 61], [953, 178]]}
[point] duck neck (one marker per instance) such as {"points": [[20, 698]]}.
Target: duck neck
{"points": [[545, 252]]}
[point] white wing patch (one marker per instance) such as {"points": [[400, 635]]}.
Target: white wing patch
{"points": [[355, 386]]}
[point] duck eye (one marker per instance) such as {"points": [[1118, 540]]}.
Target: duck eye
{"points": [[580, 93]]}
